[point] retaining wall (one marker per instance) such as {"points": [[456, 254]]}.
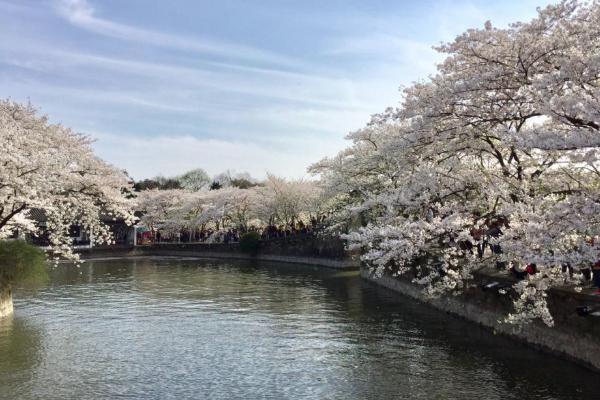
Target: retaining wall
{"points": [[573, 337], [299, 250]]}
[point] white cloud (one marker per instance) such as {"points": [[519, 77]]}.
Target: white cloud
{"points": [[81, 14], [171, 155], [268, 111], [385, 45], [261, 82]]}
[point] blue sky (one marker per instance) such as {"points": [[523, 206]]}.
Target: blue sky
{"points": [[256, 86]]}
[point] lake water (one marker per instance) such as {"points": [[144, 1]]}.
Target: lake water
{"points": [[193, 329]]}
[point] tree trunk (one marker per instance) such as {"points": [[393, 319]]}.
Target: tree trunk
{"points": [[6, 303]]}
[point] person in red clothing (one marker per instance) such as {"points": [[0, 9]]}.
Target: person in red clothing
{"points": [[531, 269]]}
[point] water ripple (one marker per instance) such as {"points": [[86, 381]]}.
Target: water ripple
{"points": [[186, 329]]}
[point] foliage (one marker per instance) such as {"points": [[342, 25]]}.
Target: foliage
{"points": [[193, 180], [242, 183], [21, 263], [500, 148], [250, 242], [275, 201], [287, 202], [157, 183], [241, 180], [197, 179], [51, 169], [215, 185]]}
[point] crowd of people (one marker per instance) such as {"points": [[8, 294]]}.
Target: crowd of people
{"points": [[231, 235], [491, 229]]}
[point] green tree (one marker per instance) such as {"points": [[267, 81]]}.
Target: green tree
{"points": [[194, 180], [21, 263]]}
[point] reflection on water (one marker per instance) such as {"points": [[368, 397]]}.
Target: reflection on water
{"points": [[173, 328]]}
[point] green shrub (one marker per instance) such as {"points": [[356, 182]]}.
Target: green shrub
{"points": [[250, 242], [21, 263]]}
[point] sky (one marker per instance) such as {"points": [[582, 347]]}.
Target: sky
{"points": [[247, 86]]}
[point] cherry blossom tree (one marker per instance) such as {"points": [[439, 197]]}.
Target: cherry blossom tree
{"points": [[287, 201], [174, 210], [228, 207], [275, 201], [50, 168], [497, 151], [162, 209]]}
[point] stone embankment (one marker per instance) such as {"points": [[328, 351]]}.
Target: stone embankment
{"points": [[574, 337], [307, 250]]}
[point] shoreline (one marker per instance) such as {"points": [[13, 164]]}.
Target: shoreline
{"points": [[229, 251], [573, 338]]}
